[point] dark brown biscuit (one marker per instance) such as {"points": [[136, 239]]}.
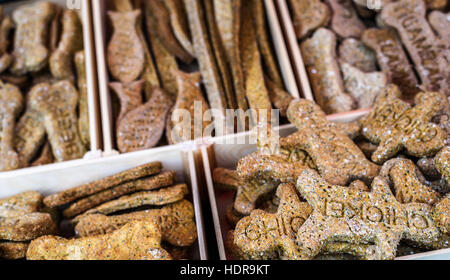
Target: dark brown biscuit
{"points": [[337, 157], [13, 250], [176, 222], [319, 53], [147, 184], [179, 23], [429, 53], [392, 59], [138, 240], [345, 21], [125, 54], [73, 194], [394, 125], [27, 227], [143, 127], [308, 16]]}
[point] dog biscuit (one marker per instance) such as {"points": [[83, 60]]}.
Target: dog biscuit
{"points": [[130, 97], [21, 204], [13, 250], [83, 106], [345, 21], [308, 16], [441, 24], [27, 227], [355, 53]]}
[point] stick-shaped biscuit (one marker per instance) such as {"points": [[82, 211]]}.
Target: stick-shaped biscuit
{"points": [[21, 204], [429, 53], [71, 42], [345, 21], [13, 250], [176, 222], [189, 99], [407, 182], [354, 216], [30, 51], [143, 127], [139, 240], [11, 104], [337, 157], [179, 23], [355, 53], [266, 236], [147, 184], [130, 97], [153, 198], [73, 194], [279, 98], [83, 106], [364, 87], [395, 125], [26, 227], [392, 59], [308, 16], [320, 58], [161, 28], [125, 53], [58, 103]]}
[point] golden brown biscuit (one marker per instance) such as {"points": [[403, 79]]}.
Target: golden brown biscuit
{"points": [[83, 106], [11, 104], [226, 179], [355, 53], [342, 214], [442, 162], [27, 227], [139, 240], [179, 24], [279, 98], [73, 194], [308, 16], [6, 59], [130, 97], [345, 21], [395, 125], [21, 204], [176, 222], [441, 214], [337, 158], [13, 250], [46, 156]]}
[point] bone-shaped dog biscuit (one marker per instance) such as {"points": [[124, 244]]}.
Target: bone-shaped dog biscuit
{"points": [[176, 222], [441, 24], [58, 103], [429, 53], [71, 42], [338, 159], [308, 16], [364, 87], [394, 125], [355, 53], [342, 214], [125, 53], [30, 51], [405, 179], [320, 59], [392, 59], [345, 21], [138, 240], [11, 104]]}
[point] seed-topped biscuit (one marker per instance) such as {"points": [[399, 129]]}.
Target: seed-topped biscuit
{"points": [[27, 227], [394, 125], [336, 156], [354, 216], [21, 204]]}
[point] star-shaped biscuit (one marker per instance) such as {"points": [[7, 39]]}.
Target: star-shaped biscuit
{"points": [[347, 215], [395, 125]]}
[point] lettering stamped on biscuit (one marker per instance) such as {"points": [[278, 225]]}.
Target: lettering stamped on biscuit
{"points": [[392, 59], [395, 125], [429, 53], [57, 103]]}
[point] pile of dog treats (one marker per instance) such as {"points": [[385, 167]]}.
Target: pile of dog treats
{"points": [[138, 214], [152, 41], [43, 92], [351, 52], [365, 189]]}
